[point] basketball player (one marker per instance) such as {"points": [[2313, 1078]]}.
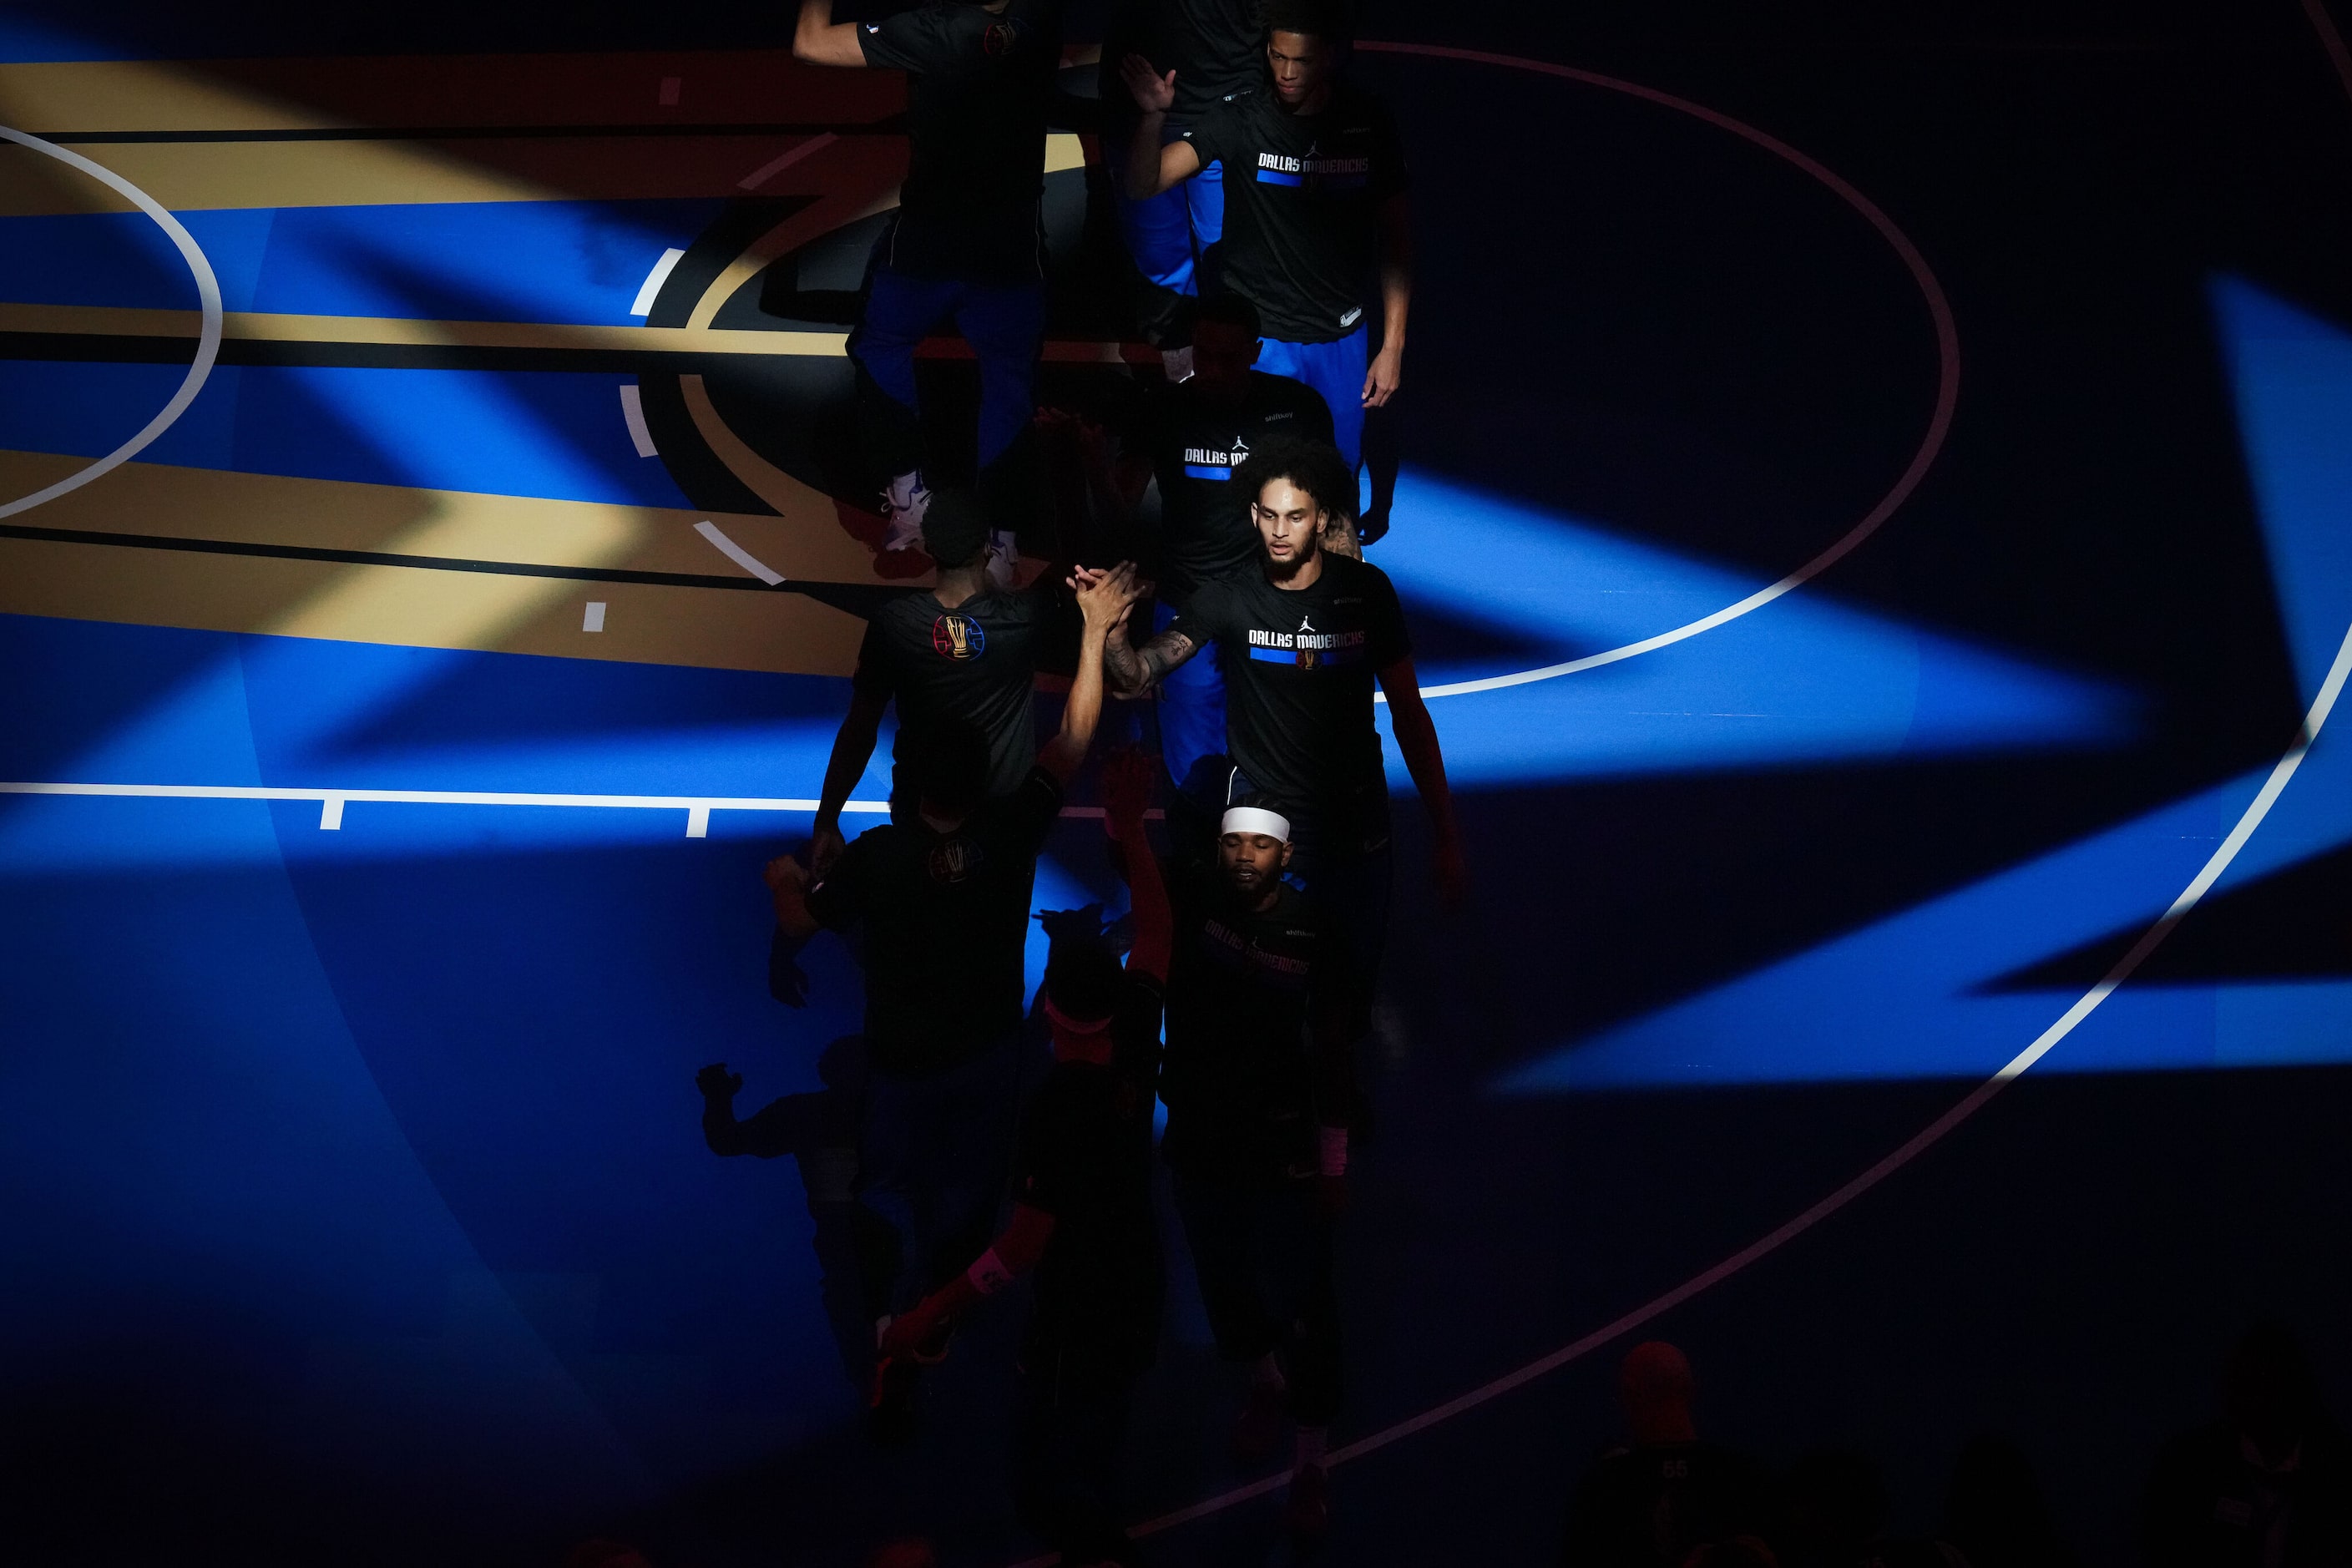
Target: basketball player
{"points": [[941, 902], [1302, 634], [1315, 200], [966, 245], [1082, 1214], [1213, 49], [1260, 1094], [964, 652]]}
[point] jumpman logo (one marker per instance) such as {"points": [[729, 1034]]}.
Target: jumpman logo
{"points": [[1304, 625]]}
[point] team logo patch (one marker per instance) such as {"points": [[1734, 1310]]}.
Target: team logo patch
{"points": [[1000, 38], [954, 861], [959, 636]]}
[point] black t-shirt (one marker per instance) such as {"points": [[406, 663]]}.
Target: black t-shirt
{"points": [[1301, 193], [1216, 47], [1084, 1156], [945, 918], [1300, 670], [1650, 1507], [1244, 1084], [973, 664], [1196, 442], [979, 84]]}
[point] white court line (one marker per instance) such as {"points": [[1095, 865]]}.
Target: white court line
{"points": [[698, 808], [208, 341], [737, 554], [1939, 308], [633, 414], [655, 279], [774, 166]]}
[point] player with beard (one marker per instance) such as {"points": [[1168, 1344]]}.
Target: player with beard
{"points": [[1260, 1092], [1193, 438], [941, 902], [966, 245], [1315, 202], [1082, 1213], [1302, 635]]}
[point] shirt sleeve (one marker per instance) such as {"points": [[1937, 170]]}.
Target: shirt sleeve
{"points": [[1389, 638], [874, 676], [1204, 614], [839, 901], [1390, 177], [1212, 133], [917, 40]]}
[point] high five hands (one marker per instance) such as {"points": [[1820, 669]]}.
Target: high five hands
{"points": [[1107, 593]]}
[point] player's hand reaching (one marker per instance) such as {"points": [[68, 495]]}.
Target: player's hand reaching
{"points": [[1386, 375], [785, 871], [1106, 597], [717, 1083], [1127, 788], [1154, 93]]}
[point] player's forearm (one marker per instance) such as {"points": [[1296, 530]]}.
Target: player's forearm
{"points": [[1155, 923], [1424, 759], [720, 1128], [815, 20], [1143, 166], [1123, 666], [853, 748], [1081, 711], [1396, 304]]}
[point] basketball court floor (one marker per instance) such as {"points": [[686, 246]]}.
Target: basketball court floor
{"points": [[1877, 524]]}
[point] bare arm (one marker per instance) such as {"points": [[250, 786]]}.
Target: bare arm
{"points": [[1135, 671], [1127, 790], [1104, 599], [1416, 737], [853, 748], [1150, 167], [820, 40], [1387, 371]]}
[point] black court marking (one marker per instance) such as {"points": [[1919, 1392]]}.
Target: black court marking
{"points": [[860, 599]]}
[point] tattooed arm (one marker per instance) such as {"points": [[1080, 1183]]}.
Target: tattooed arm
{"points": [[1135, 671]]}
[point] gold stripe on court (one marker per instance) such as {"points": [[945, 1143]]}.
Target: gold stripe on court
{"points": [[719, 628]]}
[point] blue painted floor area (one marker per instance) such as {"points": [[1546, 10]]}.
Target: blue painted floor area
{"points": [[533, 433], [557, 261]]}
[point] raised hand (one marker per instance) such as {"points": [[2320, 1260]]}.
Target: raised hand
{"points": [[717, 1083], [1154, 93], [1105, 597]]}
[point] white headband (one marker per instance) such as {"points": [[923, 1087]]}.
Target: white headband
{"points": [[1256, 819]]}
